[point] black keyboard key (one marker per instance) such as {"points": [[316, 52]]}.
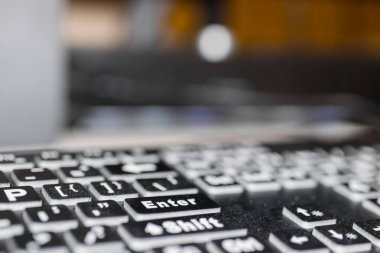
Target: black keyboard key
{"points": [[193, 168], [146, 235], [254, 182], [53, 159], [40, 242], [19, 198], [294, 179], [132, 171], [370, 230], [340, 238], [296, 241], [97, 239], [218, 184], [171, 185], [308, 216], [36, 177], [372, 205], [82, 174], [10, 161], [65, 194], [106, 212], [151, 208], [9, 225], [4, 181], [114, 190], [247, 244], [184, 248], [139, 155], [56, 218], [357, 191], [97, 157]]}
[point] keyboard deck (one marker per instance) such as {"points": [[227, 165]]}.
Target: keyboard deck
{"points": [[216, 198]]}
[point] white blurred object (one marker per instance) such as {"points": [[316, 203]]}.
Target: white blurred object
{"points": [[215, 43], [31, 71]]}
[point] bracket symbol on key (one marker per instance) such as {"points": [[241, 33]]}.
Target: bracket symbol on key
{"points": [[117, 184], [71, 188]]}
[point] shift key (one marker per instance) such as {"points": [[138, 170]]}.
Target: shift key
{"points": [[153, 208], [142, 236]]}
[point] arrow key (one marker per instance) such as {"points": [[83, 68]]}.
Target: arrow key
{"points": [[342, 239], [309, 216], [357, 191], [370, 230], [297, 240], [372, 205]]}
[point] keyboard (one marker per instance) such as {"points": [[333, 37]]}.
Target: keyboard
{"points": [[216, 198]]}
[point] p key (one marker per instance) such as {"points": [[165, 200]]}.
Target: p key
{"points": [[101, 213], [151, 208], [18, 198], [56, 218], [66, 194]]}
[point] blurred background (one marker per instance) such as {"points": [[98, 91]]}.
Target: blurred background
{"points": [[167, 64]]}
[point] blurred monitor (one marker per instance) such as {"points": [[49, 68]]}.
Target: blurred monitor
{"points": [[179, 52]]}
